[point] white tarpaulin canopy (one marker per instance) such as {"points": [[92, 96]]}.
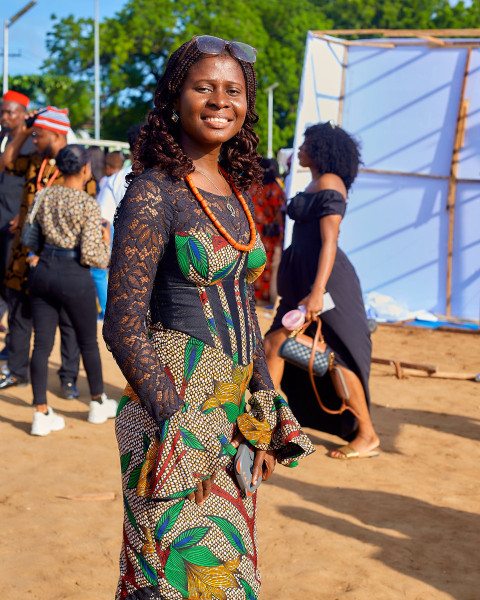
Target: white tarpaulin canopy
{"points": [[412, 227]]}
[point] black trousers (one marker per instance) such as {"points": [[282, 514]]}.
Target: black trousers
{"points": [[6, 241], [59, 282], [20, 332]]}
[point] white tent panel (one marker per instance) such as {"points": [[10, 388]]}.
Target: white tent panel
{"points": [[394, 232], [469, 164], [402, 104], [321, 86], [320, 93], [466, 252]]}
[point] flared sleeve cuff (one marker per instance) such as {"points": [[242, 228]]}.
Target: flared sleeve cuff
{"points": [[270, 425], [185, 452]]}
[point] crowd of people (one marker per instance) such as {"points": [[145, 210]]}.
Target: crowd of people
{"points": [[198, 221], [40, 170]]}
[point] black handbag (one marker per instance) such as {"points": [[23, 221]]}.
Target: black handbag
{"points": [[299, 349], [32, 236], [313, 355]]}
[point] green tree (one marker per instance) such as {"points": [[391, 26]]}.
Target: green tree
{"points": [[61, 91], [399, 14], [136, 42]]}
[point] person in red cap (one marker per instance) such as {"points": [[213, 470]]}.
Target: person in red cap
{"points": [[12, 113], [49, 136]]}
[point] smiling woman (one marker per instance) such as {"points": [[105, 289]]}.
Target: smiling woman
{"points": [[181, 323], [212, 104]]}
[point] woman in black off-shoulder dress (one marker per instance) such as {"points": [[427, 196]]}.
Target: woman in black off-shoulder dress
{"points": [[310, 266]]}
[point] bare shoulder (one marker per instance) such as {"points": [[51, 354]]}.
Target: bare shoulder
{"points": [[330, 181]]}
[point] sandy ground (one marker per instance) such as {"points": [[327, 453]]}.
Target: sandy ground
{"points": [[403, 525]]}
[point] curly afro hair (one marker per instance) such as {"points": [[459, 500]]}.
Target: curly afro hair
{"points": [[158, 143], [333, 150]]}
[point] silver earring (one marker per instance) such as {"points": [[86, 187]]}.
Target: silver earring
{"points": [[332, 123], [175, 117]]}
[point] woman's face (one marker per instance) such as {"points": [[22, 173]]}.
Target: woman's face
{"points": [[212, 104], [303, 157]]}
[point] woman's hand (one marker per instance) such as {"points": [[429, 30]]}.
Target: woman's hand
{"points": [[204, 487], [13, 224], [264, 463], [33, 260], [313, 304]]}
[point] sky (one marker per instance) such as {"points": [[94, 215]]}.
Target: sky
{"points": [[28, 35]]}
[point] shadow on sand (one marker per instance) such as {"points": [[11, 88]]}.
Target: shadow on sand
{"points": [[452, 535]]}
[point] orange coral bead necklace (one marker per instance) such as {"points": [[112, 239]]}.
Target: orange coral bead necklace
{"points": [[41, 171], [216, 222]]}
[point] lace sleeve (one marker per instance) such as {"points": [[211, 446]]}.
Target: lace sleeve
{"points": [[142, 229]]}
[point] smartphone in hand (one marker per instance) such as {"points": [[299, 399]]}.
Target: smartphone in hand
{"points": [[29, 121], [243, 468]]}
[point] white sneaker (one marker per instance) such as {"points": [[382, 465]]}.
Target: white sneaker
{"points": [[43, 424], [101, 411]]}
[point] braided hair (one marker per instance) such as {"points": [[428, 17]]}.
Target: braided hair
{"points": [[158, 143]]}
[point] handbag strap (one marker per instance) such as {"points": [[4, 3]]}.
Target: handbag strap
{"points": [[36, 205], [344, 406]]}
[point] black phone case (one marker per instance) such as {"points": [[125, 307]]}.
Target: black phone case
{"points": [[29, 121]]}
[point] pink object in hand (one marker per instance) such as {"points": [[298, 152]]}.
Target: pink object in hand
{"points": [[294, 318]]}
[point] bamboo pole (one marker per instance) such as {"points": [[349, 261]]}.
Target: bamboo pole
{"points": [[373, 44], [342, 86], [452, 185], [400, 365], [403, 368], [411, 327], [408, 37], [432, 40], [332, 41], [356, 42], [407, 33], [403, 173]]}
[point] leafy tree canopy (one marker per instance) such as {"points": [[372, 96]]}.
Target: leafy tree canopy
{"points": [[400, 14], [135, 43], [57, 90]]}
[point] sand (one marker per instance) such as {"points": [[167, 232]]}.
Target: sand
{"points": [[403, 525]]}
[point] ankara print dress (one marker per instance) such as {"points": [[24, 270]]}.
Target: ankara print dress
{"points": [[188, 366]]}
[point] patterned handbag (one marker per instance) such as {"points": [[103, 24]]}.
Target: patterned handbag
{"points": [[299, 348], [314, 356]]}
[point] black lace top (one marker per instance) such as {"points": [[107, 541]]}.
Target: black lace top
{"points": [[153, 245]]}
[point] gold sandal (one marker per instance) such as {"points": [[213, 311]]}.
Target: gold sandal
{"points": [[349, 452]]}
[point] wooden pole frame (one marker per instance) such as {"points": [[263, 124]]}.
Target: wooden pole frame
{"points": [[404, 33], [342, 86], [403, 174], [411, 37], [452, 184]]}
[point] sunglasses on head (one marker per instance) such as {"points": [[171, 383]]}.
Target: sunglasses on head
{"points": [[209, 44]]}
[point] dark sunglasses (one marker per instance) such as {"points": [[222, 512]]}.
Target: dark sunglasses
{"points": [[209, 44]]}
